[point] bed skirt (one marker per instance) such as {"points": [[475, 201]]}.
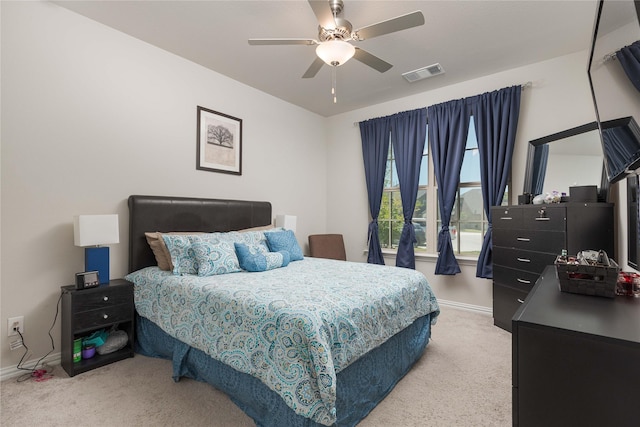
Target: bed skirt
{"points": [[360, 386]]}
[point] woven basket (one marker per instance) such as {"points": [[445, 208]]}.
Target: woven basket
{"points": [[593, 280]]}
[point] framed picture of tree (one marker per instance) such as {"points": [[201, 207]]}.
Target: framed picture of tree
{"points": [[219, 142]]}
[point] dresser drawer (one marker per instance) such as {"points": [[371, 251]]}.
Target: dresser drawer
{"points": [[534, 262], [552, 218], [518, 279], [506, 301], [103, 316], [505, 217], [101, 297], [530, 240]]}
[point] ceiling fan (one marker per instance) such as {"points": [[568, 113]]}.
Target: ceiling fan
{"points": [[335, 33]]}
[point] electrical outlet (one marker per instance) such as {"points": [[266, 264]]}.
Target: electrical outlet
{"points": [[15, 324]]}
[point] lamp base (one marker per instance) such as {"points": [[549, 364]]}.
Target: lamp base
{"points": [[97, 259]]}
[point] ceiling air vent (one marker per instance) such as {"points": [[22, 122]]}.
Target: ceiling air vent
{"points": [[423, 73]]}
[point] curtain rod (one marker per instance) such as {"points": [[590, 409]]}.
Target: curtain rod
{"points": [[609, 57], [523, 86]]}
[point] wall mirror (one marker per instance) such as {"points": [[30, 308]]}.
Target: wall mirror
{"points": [[565, 159], [616, 98]]}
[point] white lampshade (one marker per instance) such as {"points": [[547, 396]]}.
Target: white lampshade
{"points": [[335, 52], [288, 222], [94, 230]]}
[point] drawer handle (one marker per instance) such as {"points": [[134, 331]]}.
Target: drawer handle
{"points": [[106, 298], [523, 239], [105, 316], [520, 301], [527, 282], [523, 260], [542, 219], [507, 218]]}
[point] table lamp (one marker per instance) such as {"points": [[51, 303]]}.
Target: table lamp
{"points": [[288, 222], [91, 231]]}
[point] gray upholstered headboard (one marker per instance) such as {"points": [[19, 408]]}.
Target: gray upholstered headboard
{"points": [[162, 213]]}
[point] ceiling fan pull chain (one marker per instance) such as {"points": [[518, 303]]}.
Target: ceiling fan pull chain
{"points": [[333, 84]]}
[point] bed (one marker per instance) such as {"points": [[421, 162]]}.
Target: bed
{"points": [[316, 342]]}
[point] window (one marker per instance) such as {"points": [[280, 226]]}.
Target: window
{"points": [[468, 220], [390, 219]]}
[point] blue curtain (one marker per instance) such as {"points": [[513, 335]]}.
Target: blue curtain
{"points": [[496, 120], [408, 136], [540, 160], [620, 146], [629, 57], [375, 149], [448, 129]]}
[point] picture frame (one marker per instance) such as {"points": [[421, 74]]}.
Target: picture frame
{"points": [[219, 142]]}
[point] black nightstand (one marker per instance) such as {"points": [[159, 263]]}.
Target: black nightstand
{"points": [[88, 310]]}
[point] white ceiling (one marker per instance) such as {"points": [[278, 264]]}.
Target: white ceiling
{"points": [[468, 38]]}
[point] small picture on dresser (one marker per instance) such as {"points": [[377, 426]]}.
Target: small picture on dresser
{"points": [[219, 142]]}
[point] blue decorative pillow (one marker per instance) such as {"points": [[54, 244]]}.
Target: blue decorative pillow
{"points": [[284, 240], [251, 258], [214, 258]]}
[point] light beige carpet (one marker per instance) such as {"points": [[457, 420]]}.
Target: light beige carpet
{"points": [[463, 379]]}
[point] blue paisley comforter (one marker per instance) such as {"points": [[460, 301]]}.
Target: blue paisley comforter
{"points": [[294, 328]]}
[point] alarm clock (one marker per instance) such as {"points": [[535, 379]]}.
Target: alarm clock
{"points": [[87, 279]]}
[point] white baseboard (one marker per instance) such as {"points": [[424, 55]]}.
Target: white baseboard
{"points": [[13, 371], [468, 307]]}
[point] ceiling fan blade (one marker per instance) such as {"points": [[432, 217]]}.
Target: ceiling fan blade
{"points": [[263, 42], [371, 60], [313, 69], [392, 25], [323, 13]]}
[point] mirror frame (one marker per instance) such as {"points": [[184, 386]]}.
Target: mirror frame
{"points": [[603, 188]]}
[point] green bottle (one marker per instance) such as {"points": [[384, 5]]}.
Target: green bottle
{"points": [[77, 350]]}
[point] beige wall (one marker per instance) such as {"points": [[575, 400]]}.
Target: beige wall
{"points": [[91, 116]]}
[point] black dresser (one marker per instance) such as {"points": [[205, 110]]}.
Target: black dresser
{"points": [[576, 359], [527, 238]]}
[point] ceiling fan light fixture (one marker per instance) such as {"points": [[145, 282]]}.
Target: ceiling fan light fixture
{"points": [[335, 52]]}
